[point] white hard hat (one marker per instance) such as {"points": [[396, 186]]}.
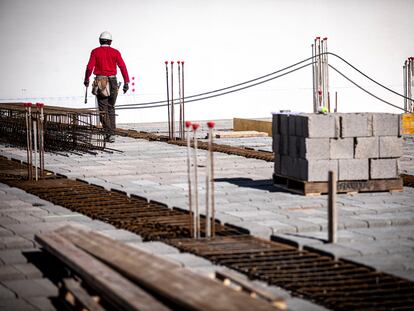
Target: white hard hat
{"points": [[106, 35]]}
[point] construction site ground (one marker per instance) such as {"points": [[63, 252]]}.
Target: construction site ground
{"points": [[375, 229]]}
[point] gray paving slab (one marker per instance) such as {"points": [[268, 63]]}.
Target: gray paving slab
{"points": [[40, 287], [16, 304]]}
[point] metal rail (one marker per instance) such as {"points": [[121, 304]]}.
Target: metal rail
{"points": [[336, 284]]}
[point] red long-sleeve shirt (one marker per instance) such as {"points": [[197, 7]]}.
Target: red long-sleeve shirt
{"points": [[103, 62]]}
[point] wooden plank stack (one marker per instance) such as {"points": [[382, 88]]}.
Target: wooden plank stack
{"points": [[124, 278]]}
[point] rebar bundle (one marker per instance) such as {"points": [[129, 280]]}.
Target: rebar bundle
{"points": [[408, 75], [63, 129], [320, 75]]}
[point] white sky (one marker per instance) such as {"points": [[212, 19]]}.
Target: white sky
{"points": [[46, 45]]}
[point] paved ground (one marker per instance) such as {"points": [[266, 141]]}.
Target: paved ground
{"points": [[376, 229]]}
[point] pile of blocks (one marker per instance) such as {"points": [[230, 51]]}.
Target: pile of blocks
{"points": [[357, 146]]}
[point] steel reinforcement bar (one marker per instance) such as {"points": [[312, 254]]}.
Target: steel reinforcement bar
{"points": [[64, 129], [336, 284]]}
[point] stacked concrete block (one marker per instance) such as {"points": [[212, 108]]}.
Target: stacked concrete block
{"points": [[358, 146]]}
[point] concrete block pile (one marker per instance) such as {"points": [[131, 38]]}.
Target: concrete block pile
{"points": [[357, 146]]}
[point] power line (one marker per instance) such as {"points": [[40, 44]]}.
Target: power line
{"points": [[220, 94], [366, 91]]}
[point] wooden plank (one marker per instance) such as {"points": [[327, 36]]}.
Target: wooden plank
{"points": [[239, 134], [264, 125], [407, 123], [182, 288], [120, 292], [80, 297]]}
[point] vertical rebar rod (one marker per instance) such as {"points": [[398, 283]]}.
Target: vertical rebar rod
{"points": [[336, 101], [172, 101], [213, 201], [208, 172], [196, 211], [313, 78], [182, 92], [168, 100], [180, 122], [35, 134], [42, 141], [29, 168], [30, 163], [405, 85], [332, 212], [190, 195]]}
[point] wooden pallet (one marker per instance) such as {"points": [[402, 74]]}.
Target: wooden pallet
{"points": [[309, 188]]}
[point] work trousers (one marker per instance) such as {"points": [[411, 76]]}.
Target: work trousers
{"points": [[107, 107]]}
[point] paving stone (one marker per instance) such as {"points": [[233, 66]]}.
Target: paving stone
{"points": [[298, 304], [32, 288], [333, 250], [158, 248], [254, 228], [16, 305], [29, 270], [15, 256], [12, 242], [277, 226], [188, 260], [121, 235], [41, 303], [5, 293], [9, 272], [296, 240]]}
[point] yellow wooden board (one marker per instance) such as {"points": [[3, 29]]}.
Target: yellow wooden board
{"points": [[407, 123], [264, 125]]}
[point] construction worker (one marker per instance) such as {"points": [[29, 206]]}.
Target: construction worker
{"points": [[103, 62]]}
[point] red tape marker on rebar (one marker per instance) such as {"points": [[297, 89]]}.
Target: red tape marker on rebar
{"points": [[210, 124], [187, 124], [182, 62], [195, 126], [178, 62], [28, 104], [172, 62], [40, 105], [317, 38], [326, 38], [166, 62]]}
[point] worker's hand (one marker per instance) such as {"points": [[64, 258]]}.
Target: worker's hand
{"points": [[125, 88], [86, 83]]}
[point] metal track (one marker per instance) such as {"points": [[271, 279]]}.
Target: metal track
{"points": [[336, 284]]}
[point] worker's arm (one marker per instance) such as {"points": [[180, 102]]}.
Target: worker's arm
{"points": [[89, 68], [121, 64]]}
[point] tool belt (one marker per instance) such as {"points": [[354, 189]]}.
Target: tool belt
{"points": [[101, 87]]}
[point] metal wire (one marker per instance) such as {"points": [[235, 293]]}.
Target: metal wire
{"points": [[366, 91], [156, 104]]}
